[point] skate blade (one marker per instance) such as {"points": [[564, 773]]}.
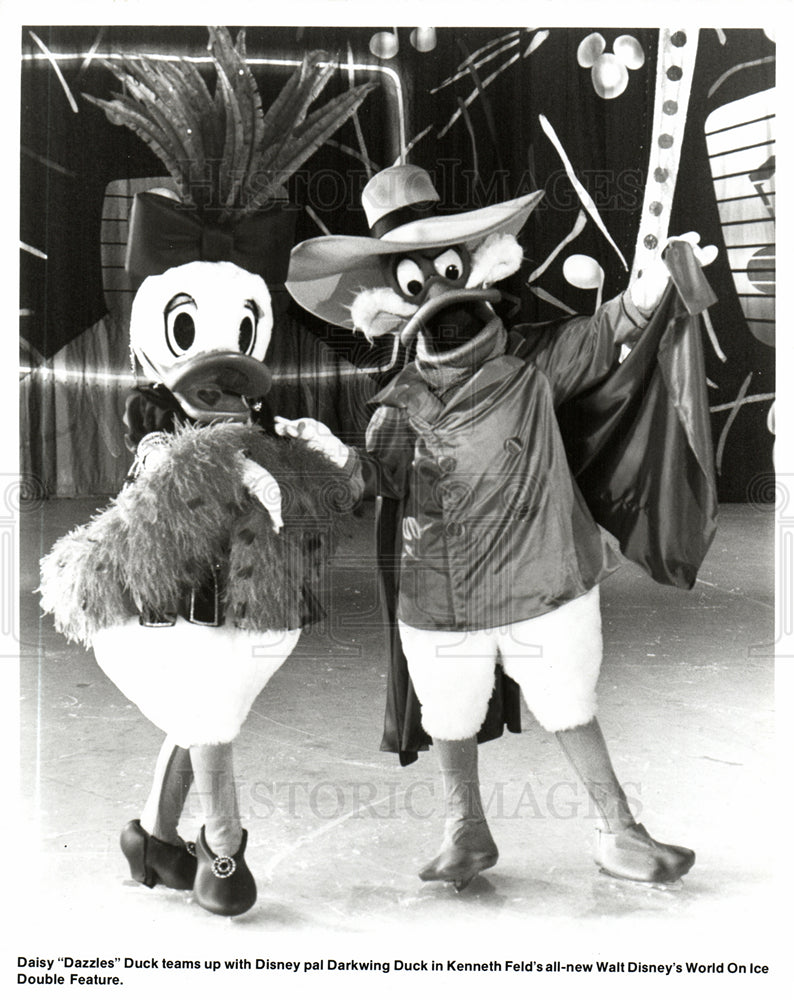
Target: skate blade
{"points": [[461, 878], [452, 872], [675, 886]]}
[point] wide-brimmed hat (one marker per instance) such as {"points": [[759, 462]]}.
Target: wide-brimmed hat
{"points": [[327, 272]]}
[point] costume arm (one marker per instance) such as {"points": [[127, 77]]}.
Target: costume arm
{"points": [[380, 469], [321, 439], [581, 351]]}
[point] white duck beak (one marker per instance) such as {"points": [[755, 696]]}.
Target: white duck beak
{"points": [[217, 385]]}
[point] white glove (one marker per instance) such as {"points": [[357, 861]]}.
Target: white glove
{"points": [[152, 451], [317, 436], [264, 487], [647, 290]]}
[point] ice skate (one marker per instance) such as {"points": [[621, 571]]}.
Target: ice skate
{"points": [[468, 848], [634, 855]]}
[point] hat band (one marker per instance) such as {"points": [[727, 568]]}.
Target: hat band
{"points": [[400, 217]]}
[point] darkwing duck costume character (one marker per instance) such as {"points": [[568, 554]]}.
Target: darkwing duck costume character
{"points": [[500, 558], [193, 586]]}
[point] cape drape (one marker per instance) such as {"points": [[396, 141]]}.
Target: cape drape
{"points": [[639, 446]]}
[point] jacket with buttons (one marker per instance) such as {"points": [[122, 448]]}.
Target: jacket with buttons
{"points": [[494, 527]]}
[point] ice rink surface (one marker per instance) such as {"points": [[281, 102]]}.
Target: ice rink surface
{"points": [[338, 830]]}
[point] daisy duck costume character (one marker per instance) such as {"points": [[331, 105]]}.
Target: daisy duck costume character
{"points": [[193, 586], [501, 559]]}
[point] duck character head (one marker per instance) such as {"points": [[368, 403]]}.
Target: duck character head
{"points": [[416, 274], [202, 330], [203, 253]]}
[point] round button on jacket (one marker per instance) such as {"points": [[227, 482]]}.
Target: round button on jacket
{"points": [[514, 446]]}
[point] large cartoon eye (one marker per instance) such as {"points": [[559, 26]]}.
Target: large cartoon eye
{"points": [[180, 323], [247, 330], [409, 277], [449, 265]]}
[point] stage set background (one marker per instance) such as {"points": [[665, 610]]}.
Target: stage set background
{"points": [[633, 134]]}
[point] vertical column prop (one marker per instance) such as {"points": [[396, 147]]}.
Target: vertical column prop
{"points": [[675, 67]]}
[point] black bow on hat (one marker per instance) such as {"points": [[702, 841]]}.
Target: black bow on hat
{"points": [[164, 233]]}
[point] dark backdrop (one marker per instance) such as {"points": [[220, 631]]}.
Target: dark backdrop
{"points": [[497, 82]]}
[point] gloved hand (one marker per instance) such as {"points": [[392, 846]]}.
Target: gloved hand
{"points": [[317, 436], [646, 291], [264, 487]]}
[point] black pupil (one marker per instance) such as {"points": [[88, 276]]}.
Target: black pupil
{"points": [[184, 331], [452, 272], [246, 334], [414, 287]]}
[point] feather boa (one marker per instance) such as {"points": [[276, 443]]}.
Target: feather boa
{"points": [[161, 535]]}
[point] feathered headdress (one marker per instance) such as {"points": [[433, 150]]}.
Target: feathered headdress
{"points": [[223, 150]]}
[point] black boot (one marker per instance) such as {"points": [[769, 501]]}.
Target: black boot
{"points": [[224, 885], [154, 861]]}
